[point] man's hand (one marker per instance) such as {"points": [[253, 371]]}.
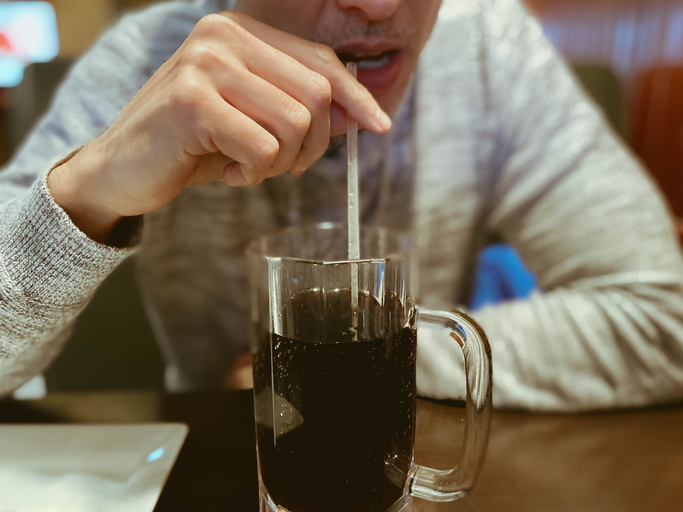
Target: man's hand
{"points": [[239, 101]]}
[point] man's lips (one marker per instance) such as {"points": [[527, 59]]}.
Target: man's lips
{"points": [[379, 62], [368, 47]]}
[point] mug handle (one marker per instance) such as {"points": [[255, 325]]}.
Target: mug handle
{"points": [[450, 485]]}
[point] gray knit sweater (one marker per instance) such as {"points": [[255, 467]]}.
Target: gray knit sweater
{"points": [[493, 135]]}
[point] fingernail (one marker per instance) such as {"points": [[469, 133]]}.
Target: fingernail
{"points": [[383, 120], [233, 175]]}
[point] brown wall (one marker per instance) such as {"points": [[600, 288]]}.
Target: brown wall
{"points": [[81, 22], [642, 41]]}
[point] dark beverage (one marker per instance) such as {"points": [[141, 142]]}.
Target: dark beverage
{"points": [[341, 437]]}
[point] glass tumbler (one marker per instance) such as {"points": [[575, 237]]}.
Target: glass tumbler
{"points": [[334, 375]]}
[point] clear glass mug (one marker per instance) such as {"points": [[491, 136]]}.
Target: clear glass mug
{"points": [[334, 388]]}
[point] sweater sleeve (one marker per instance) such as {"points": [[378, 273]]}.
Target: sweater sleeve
{"points": [[607, 329], [48, 268], [48, 271]]}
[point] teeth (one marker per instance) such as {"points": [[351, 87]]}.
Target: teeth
{"points": [[373, 56], [374, 63]]}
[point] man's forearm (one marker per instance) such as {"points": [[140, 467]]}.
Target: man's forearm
{"points": [[48, 271], [68, 184]]}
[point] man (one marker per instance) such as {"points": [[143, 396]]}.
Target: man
{"points": [[489, 133]]}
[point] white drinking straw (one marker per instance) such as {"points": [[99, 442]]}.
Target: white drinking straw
{"points": [[354, 229]]}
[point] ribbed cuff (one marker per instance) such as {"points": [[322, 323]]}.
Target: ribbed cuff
{"points": [[47, 257]]}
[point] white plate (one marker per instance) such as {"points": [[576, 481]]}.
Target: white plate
{"points": [[79, 468]]}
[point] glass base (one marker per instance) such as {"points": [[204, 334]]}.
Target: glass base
{"points": [[266, 504]]}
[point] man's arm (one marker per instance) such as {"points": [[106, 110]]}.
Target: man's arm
{"points": [[238, 101], [608, 328], [48, 267]]}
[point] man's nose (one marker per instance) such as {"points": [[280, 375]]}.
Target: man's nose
{"points": [[373, 10]]}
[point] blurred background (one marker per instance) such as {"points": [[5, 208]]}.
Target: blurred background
{"points": [[628, 55]]}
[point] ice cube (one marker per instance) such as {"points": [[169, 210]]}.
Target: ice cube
{"points": [[287, 417]]}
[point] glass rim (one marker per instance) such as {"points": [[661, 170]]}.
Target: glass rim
{"points": [[254, 249]]}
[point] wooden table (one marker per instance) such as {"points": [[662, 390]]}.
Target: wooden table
{"points": [[621, 461]]}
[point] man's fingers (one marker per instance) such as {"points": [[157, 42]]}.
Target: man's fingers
{"points": [[273, 109], [232, 175], [278, 100], [338, 121], [346, 90], [237, 135], [308, 88], [210, 168]]}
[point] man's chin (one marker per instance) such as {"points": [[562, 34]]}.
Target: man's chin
{"points": [[390, 103], [390, 99]]}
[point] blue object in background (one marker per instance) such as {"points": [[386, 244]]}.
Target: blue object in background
{"points": [[28, 33], [11, 71], [500, 276]]}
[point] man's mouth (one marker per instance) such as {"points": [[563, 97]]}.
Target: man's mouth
{"points": [[378, 69], [376, 61]]}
